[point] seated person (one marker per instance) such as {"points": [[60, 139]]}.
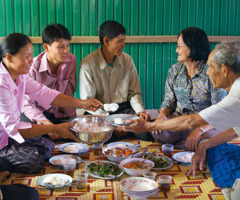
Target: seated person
{"points": [[109, 75], [55, 68], [14, 191], [188, 90], [222, 158], [20, 142]]}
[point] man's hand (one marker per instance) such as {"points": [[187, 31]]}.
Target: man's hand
{"points": [[161, 117], [193, 139], [136, 126], [64, 132], [91, 104], [198, 158], [144, 116]]}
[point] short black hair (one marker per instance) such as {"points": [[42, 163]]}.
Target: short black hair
{"points": [[197, 41], [13, 43], [54, 32], [111, 29]]}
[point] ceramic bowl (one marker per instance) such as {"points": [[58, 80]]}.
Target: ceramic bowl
{"points": [[136, 172]]}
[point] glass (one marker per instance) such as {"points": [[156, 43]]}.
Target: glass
{"points": [[179, 46], [97, 148], [150, 175], [165, 182], [83, 151], [69, 168], [167, 150], [81, 180]]}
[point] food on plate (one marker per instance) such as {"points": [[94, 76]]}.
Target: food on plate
{"points": [[159, 160], [55, 181], [187, 157], [119, 120], [64, 160], [104, 168], [118, 151], [137, 165], [111, 107], [90, 127], [72, 148]]}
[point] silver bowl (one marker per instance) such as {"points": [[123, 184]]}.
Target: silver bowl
{"points": [[89, 136]]}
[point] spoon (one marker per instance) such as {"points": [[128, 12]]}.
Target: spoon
{"points": [[151, 154]]}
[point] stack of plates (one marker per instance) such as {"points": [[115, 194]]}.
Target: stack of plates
{"points": [[138, 187]]}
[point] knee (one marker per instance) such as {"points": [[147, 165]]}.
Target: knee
{"points": [[31, 194]]}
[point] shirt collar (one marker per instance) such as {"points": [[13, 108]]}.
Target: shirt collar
{"points": [[102, 62], [199, 71], [44, 66]]}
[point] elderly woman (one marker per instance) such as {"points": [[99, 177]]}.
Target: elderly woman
{"points": [[188, 90], [21, 144]]}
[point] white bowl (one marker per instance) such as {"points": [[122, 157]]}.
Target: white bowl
{"points": [[116, 159], [136, 172], [138, 187]]}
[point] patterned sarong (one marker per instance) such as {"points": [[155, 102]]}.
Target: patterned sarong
{"points": [[29, 156], [224, 164]]}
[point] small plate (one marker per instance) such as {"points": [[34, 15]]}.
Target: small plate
{"points": [[113, 144], [63, 176], [111, 118], [176, 155], [96, 175], [63, 146], [53, 160], [160, 155]]}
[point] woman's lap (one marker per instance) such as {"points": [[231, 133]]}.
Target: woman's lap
{"points": [[29, 156]]}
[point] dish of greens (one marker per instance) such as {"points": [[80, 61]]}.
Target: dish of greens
{"points": [[103, 169], [161, 161]]}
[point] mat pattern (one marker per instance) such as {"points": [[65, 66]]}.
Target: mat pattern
{"points": [[201, 187]]}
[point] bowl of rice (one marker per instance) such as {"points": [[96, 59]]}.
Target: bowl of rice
{"points": [[92, 129]]}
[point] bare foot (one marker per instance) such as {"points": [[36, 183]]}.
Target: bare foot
{"points": [[3, 175]]}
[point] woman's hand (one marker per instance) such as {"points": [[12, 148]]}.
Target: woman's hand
{"points": [[193, 139], [144, 116], [52, 136], [91, 104], [64, 131]]}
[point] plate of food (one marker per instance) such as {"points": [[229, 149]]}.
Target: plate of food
{"points": [[184, 157], [126, 144], [161, 162], [71, 147], [118, 153], [61, 160], [103, 169], [54, 181], [120, 119]]}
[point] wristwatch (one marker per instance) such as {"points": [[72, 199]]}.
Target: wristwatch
{"points": [[203, 130]]}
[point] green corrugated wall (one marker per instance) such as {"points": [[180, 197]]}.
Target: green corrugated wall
{"points": [[140, 17]]}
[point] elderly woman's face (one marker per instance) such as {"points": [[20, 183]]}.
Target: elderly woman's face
{"points": [[182, 50], [216, 74]]}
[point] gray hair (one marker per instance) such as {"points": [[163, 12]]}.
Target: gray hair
{"points": [[228, 53]]}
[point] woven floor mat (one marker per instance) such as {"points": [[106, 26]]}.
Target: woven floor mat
{"points": [[201, 187]]}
